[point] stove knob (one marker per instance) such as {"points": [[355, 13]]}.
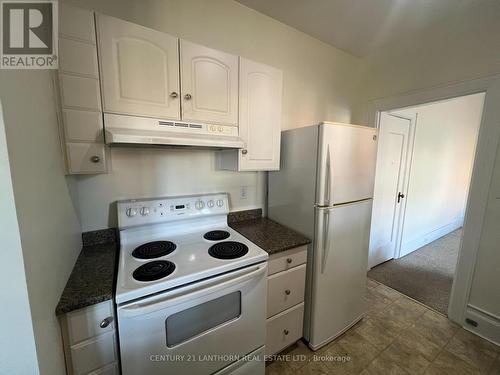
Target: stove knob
{"points": [[220, 203], [145, 211], [199, 204], [210, 203], [131, 212]]}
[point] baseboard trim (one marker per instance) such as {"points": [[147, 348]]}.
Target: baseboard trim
{"points": [[410, 246], [487, 325]]}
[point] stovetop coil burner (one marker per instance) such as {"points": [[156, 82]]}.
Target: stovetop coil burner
{"points": [[228, 250], [216, 235], [154, 249], [154, 270]]}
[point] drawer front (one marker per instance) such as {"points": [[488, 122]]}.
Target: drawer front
{"points": [[284, 329], [81, 157], [80, 92], [111, 369], [285, 289], [77, 58], [83, 126], [94, 354], [287, 259], [85, 323]]}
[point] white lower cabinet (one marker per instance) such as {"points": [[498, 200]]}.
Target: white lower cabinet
{"points": [[90, 342], [285, 298]]}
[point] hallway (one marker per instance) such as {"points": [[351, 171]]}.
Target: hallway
{"points": [[426, 274]]}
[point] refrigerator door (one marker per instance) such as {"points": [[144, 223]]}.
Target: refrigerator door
{"points": [[346, 163], [340, 255]]}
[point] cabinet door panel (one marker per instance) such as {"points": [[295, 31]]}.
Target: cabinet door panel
{"points": [[261, 89], [140, 69], [209, 85]]}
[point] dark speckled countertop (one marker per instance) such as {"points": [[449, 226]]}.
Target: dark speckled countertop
{"points": [[265, 233], [93, 276]]}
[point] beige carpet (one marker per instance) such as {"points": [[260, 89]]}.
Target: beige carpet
{"points": [[426, 274]]}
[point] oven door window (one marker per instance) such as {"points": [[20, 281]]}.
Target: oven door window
{"points": [[191, 322]]}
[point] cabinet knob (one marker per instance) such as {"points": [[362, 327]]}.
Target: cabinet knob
{"points": [[287, 292], [173, 94], [286, 332], [244, 152], [105, 322], [289, 260], [187, 96], [95, 159]]}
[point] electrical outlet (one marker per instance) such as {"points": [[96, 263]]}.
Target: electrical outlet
{"points": [[244, 192]]}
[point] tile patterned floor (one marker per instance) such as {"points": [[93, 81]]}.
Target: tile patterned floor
{"points": [[397, 336]]}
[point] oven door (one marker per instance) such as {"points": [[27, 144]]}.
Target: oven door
{"points": [[196, 329]]}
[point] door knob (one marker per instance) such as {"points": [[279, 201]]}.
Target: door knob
{"points": [[174, 95], [400, 195], [187, 96]]}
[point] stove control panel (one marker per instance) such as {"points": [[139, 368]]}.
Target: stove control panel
{"points": [[136, 212]]}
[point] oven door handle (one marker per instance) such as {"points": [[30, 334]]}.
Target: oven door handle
{"points": [[193, 291]]}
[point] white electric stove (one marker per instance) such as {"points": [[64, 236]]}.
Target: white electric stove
{"points": [[191, 292]]}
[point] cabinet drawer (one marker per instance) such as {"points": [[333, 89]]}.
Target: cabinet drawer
{"points": [[111, 369], [76, 23], [80, 158], [85, 323], [93, 354], [80, 92], [77, 58], [284, 329], [83, 126], [287, 259], [285, 289]]}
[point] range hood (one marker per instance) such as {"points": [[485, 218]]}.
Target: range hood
{"points": [[131, 130]]}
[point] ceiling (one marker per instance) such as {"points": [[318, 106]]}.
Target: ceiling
{"points": [[359, 26]]}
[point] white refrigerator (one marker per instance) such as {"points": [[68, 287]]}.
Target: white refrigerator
{"points": [[324, 190]]}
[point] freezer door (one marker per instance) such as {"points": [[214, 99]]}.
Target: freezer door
{"points": [[346, 168], [339, 270]]}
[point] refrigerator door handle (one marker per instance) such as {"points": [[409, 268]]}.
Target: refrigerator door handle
{"points": [[328, 177], [326, 240]]}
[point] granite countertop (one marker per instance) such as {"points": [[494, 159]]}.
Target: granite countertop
{"points": [[265, 233], [93, 276]]}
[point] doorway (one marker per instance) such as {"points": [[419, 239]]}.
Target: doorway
{"points": [[424, 164]]}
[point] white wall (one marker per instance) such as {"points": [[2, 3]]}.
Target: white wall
{"points": [[445, 138], [318, 85], [49, 227], [15, 315]]}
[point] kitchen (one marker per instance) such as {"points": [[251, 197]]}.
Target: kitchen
{"points": [[86, 203]]}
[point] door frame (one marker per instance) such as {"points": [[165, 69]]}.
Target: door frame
{"points": [[482, 171]]}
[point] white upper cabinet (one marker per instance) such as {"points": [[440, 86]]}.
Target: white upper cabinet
{"points": [[209, 85], [261, 91], [260, 98], [139, 69]]}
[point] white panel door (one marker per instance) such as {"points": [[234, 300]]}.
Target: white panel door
{"points": [[339, 269], [261, 90], [389, 184], [209, 85], [139, 69], [347, 155]]}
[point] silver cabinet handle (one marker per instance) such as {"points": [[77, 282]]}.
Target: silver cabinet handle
{"points": [[286, 332], [289, 260], [187, 96], [174, 94], [106, 322], [244, 152], [95, 159], [287, 292]]}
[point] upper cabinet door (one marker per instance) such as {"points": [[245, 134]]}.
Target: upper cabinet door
{"points": [[209, 85], [139, 69], [261, 90]]}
